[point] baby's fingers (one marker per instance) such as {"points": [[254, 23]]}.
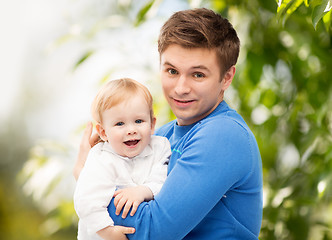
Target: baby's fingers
{"points": [[126, 209], [116, 200], [117, 192], [120, 205], [117, 197], [134, 208]]}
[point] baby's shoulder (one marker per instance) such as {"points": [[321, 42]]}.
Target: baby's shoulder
{"points": [[159, 141]]}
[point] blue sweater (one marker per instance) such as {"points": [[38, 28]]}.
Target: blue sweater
{"points": [[214, 184]]}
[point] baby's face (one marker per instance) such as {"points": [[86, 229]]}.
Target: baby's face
{"points": [[128, 126]]}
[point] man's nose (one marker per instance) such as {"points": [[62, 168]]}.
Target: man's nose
{"points": [[182, 85]]}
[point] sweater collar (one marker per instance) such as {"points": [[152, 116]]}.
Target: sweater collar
{"points": [[179, 131]]}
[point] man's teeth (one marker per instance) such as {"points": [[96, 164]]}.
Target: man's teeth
{"points": [[184, 101]]}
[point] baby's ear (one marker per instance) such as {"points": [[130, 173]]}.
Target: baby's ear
{"points": [[153, 124], [101, 132]]}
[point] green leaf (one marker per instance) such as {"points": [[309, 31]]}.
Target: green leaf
{"points": [[142, 13], [306, 2], [318, 12], [327, 20], [83, 59], [219, 6], [106, 77], [284, 5], [294, 6], [286, 8]]}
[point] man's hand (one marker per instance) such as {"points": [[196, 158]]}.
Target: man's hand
{"points": [[131, 197], [87, 142], [115, 232]]}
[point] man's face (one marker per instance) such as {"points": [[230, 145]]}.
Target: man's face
{"points": [[191, 82]]}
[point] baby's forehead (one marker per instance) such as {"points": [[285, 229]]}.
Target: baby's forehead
{"points": [[133, 99], [133, 106]]}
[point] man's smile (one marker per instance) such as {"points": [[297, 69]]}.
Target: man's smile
{"points": [[182, 103]]}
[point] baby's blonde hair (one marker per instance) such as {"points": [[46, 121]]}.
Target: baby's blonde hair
{"points": [[116, 91]]}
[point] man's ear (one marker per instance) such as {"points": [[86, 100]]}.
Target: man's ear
{"points": [[153, 124], [101, 132], [228, 77]]}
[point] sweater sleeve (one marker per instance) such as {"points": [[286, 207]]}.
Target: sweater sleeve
{"points": [[158, 172], [213, 160], [93, 192]]}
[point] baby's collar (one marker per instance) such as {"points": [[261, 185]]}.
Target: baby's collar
{"points": [[146, 151]]}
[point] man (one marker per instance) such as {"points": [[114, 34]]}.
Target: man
{"points": [[214, 184]]}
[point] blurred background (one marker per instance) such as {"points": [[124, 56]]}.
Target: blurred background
{"points": [[56, 54]]}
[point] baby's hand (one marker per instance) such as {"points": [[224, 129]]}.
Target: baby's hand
{"points": [[131, 197]]}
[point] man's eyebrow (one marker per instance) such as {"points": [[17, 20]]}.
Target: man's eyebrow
{"points": [[200, 67], [169, 64], [194, 67]]}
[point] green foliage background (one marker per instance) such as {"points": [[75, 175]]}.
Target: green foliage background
{"points": [[283, 90]]}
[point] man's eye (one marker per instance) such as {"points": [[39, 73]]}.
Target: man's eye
{"points": [[119, 124], [172, 71], [199, 75], [139, 121]]}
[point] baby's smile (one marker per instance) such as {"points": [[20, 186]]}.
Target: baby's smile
{"points": [[132, 143]]}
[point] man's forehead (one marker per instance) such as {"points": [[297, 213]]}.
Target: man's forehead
{"points": [[195, 58], [177, 51]]}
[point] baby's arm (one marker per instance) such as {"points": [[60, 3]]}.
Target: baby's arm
{"points": [[131, 198], [94, 191]]}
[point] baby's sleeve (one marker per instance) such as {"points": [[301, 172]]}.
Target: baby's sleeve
{"points": [[158, 174], [93, 193]]}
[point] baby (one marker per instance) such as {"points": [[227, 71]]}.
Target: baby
{"points": [[129, 165]]}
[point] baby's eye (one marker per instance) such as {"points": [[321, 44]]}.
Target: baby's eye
{"points": [[139, 121], [172, 71], [119, 124]]}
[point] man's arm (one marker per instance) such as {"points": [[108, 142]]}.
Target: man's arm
{"points": [[115, 232], [87, 142]]}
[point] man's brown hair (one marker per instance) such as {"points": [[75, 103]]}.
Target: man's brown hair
{"points": [[202, 28]]}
